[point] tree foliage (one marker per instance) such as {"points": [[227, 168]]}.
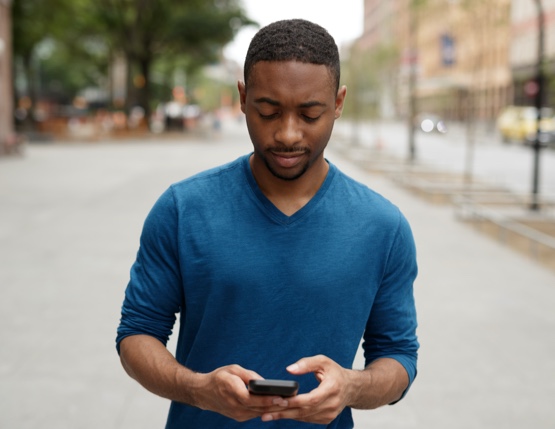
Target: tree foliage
{"points": [[366, 74], [33, 22], [147, 30], [89, 34]]}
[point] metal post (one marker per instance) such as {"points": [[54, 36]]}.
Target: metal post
{"points": [[413, 64], [539, 104]]}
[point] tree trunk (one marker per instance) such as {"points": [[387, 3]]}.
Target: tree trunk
{"points": [[32, 91], [144, 92]]}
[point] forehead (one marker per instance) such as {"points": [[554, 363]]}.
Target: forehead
{"points": [[290, 76]]}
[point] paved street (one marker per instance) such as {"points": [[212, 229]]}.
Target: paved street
{"points": [[508, 165], [70, 218]]}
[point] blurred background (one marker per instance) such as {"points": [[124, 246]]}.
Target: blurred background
{"points": [[450, 113], [90, 69]]}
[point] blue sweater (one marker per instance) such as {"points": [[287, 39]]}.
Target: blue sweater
{"points": [[260, 289]]}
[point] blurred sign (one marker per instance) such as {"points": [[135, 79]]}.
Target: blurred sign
{"points": [[409, 62], [531, 88], [447, 50]]}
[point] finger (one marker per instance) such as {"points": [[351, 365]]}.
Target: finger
{"points": [[306, 365], [266, 402], [311, 400], [320, 414], [267, 410], [292, 414], [244, 374], [242, 377]]}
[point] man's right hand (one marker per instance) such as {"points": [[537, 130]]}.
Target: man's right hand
{"points": [[223, 390]]}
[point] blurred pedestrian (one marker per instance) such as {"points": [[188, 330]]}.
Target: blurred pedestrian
{"points": [[277, 263]]}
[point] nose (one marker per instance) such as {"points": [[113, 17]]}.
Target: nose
{"points": [[289, 131]]}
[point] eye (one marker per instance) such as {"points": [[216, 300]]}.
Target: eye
{"points": [[310, 119], [268, 117]]}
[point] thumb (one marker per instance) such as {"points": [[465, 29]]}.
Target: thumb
{"points": [[305, 365]]}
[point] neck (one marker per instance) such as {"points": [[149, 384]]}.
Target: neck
{"points": [[289, 196]]}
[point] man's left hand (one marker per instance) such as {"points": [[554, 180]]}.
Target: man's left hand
{"points": [[323, 404]]}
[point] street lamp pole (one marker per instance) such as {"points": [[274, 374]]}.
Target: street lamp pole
{"points": [[540, 81], [413, 70]]}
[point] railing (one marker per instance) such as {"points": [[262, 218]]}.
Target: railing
{"points": [[508, 214]]}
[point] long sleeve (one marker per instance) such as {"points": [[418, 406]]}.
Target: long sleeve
{"points": [[154, 292]]}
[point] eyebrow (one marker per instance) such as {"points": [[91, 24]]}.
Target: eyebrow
{"points": [[306, 105]]}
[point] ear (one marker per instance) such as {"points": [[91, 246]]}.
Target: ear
{"points": [[340, 101], [242, 94]]}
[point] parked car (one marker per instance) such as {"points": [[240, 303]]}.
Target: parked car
{"points": [[519, 124], [430, 123]]}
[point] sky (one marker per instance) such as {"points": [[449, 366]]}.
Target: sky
{"points": [[342, 18]]}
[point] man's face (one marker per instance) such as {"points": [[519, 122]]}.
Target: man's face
{"points": [[290, 109]]}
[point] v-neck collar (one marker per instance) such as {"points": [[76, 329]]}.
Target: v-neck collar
{"points": [[271, 210]]}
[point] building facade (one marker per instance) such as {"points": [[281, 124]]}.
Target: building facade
{"points": [[380, 31], [456, 53], [464, 67], [6, 95]]}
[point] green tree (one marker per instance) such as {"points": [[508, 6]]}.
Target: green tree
{"points": [[145, 31], [33, 22], [367, 74], [81, 38]]}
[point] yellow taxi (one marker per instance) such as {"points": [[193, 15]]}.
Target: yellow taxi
{"points": [[519, 124]]}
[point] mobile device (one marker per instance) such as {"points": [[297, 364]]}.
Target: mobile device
{"points": [[273, 387]]}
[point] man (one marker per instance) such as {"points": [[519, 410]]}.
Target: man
{"points": [[278, 264]]}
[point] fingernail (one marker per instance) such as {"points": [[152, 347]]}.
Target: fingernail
{"points": [[281, 402], [293, 368], [267, 417]]}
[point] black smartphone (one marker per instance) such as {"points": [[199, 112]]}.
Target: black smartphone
{"points": [[273, 387]]}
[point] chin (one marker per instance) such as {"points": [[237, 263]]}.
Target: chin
{"points": [[290, 175]]}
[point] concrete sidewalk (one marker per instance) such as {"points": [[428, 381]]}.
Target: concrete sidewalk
{"points": [[70, 219]]}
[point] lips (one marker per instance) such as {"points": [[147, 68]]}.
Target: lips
{"points": [[287, 160]]}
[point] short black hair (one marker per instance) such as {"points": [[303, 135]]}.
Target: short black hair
{"points": [[294, 40]]}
